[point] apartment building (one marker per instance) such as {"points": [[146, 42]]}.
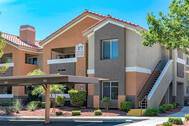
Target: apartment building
{"points": [[101, 46]]}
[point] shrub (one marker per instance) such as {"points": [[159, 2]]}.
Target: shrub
{"points": [[167, 124], [151, 112], [186, 117], [174, 105], [106, 102], [166, 107], [41, 104], [59, 113], [162, 109], [8, 110], [177, 121], [77, 98], [126, 106], [59, 100], [17, 106], [76, 112], [32, 105], [97, 112]]}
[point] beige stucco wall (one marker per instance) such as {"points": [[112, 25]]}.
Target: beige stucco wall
{"points": [[91, 52], [139, 55]]}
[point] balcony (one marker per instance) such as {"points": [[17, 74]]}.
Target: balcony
{"points": [[63, 61], [59, 61]]}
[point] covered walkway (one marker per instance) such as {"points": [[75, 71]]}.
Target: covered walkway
{"points": [[46, 81]]}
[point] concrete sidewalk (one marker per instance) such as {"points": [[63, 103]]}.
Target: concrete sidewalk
{"points": [[182, 113], [70, 118], [150, 122]]}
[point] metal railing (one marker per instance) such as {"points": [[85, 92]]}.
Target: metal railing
{"points": [[151, 80]]}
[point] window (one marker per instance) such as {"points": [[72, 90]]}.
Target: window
{"points": [[31, 59], [6, 90], [110, 89], [180, 54], [187, 60], [187, 89], [6, 58], [109, 49], [180, 70]]}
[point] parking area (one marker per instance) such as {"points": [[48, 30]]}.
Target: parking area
{"points": [[65, 123]]}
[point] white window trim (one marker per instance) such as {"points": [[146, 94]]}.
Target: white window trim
{"points": [[110, 88], [182, 61], [138, 69], [91, 71], [110, 41], [7, 64]]}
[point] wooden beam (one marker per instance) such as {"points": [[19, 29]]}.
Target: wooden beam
{"points": [[47, 104]]}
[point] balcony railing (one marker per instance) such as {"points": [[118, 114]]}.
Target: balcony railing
{"points": [[7, 64], [59, 61]]}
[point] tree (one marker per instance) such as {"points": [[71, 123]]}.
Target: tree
{"points": [[2, 46], [169, 30], [39, 90]]}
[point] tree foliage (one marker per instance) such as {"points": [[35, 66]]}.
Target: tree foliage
{"points": [[2, 46], [39, 90], [169, 30]]}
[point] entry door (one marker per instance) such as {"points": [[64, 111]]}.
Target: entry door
{"points": [[180, 94]]}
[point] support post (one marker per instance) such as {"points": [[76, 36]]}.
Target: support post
{"points": [[47, 103]]}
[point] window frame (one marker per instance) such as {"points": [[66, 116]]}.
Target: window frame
{"points": [[111, 42], [110, 85]]}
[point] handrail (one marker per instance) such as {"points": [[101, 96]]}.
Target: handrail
{"points": [[149, 82]]}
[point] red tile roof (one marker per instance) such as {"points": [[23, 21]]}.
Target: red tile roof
{"points": [[113, 18], [13, 39]]}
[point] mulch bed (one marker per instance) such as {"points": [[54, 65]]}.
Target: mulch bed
{"points": [[67, 111], [170, 112]]}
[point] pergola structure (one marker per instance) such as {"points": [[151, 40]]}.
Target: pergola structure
{"points": [[46, 81]]}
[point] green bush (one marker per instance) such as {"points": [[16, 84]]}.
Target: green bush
{"points": [[177, 121], [166, 107], [77, 98], [174, 105], [97, 112], [17, 106], [167, 124], [8, 110], [106, 102], [76, 112], [59, 100], [32, 106], [151, 112], [126, 106], [186, 117], [41, 104], [162, 109]]}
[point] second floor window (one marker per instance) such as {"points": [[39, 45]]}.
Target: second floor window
{"points": [[31, 59], [187, 60], [109, 49]]}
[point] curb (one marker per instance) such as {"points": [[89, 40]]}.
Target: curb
{"points": [[72, 118]]}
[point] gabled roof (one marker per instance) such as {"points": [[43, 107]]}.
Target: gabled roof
{"points": [[116, 21], [16, 41], [99, 17], [79, 18]]}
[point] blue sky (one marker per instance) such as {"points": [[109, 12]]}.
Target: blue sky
{"points": [[49, 15]]}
